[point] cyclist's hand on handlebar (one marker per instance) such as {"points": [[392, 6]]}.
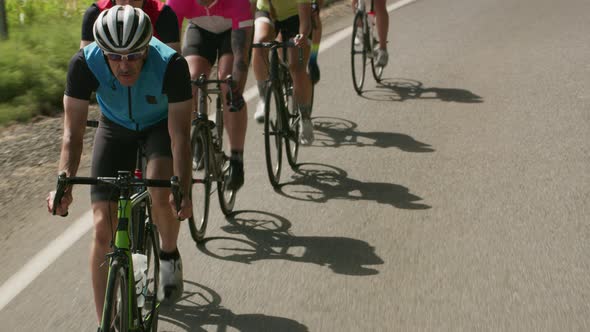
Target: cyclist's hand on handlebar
{"points": [[186, 207], [62, 207], [299, 40]]}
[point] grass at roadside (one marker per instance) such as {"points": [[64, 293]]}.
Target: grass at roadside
{"points": [[33, 68], [43, 36]]}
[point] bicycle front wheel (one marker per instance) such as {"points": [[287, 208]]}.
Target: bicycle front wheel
{"points": [[358, 54], [149, 309], [292, 136], [273, 140], [115, 312], [200, 192]]}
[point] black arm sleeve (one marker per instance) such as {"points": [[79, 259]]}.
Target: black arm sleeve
{"points": [[167, 26], [90, 16], [81, 82], [177, 80]]}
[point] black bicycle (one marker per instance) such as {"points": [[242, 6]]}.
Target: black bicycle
{"points": [[364, 45], [281, 118], [210, 157]]}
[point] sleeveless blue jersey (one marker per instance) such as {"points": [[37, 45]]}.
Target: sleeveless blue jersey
{"points": [[141, 105]]}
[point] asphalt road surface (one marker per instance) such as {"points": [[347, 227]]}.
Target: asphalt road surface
{"points": [[451, 197]]}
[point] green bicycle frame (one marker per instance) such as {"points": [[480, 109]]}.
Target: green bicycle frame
{"points": [[123, 243], [123, 248]]}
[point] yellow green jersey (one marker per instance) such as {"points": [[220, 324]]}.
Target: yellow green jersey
{"points": [[283, 9]]}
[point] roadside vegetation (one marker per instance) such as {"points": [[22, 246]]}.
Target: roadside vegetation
{"points": [[42, 37]]}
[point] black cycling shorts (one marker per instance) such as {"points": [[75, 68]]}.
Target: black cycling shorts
{"points": [[288, 28], [115, 149], [201, 42]]}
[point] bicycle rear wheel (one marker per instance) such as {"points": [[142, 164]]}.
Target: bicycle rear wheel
{"points": [[227, 198], [273, 141], [293, 120], [358, 55], [115, 312], [149, 310], [374, 46], [200, 192]]}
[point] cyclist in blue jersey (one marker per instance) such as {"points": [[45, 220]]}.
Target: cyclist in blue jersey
{"points": [[143, 89]]}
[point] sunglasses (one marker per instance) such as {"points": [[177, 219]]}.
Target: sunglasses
{"points": [[120, 57]]}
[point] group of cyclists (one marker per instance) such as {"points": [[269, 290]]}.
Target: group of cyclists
{"points": [[131, 57]]}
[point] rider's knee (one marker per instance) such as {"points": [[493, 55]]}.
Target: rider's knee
{"points": [[104, 222]]}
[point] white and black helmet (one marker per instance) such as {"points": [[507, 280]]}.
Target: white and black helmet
{"points": [[122, 29]]}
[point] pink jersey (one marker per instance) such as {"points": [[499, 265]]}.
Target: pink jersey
{"points": [[220, 16]]}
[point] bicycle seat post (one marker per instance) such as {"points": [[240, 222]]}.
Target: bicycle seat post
{"points": [[139, 166]]}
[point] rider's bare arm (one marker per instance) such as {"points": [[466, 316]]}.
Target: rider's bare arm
{"points": [[75, 115], [179, 122], [304, 10]]}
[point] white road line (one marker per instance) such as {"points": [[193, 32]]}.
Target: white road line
{"points": [[19, 281], [28, 273], [344, 33]]}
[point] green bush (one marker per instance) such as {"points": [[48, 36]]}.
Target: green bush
{"points": [[43, 36]]}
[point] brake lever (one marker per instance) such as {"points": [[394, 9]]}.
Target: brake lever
{"points": [[59, 192]]}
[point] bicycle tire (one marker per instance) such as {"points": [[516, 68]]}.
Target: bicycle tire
{"points": [[149, 312], [115, 314], [374, 45], [273, 131], [220, 162], [227, 198], [377, 71], [358, 54], [292, 122], [200, 193], [312, 96]]}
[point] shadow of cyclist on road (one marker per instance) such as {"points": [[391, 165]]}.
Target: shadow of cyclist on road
{"points": [[400, 89], [320, 183], [201, 307], [268, 237], [336, 132]]}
